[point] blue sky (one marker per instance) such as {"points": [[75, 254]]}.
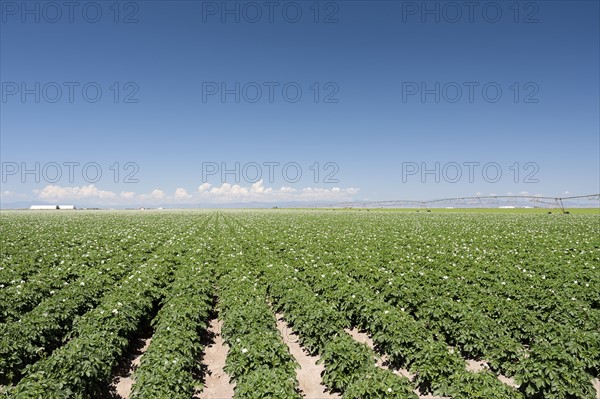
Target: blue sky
{"points": [[378, 66]]}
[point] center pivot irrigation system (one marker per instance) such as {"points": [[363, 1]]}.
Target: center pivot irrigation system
{"points": [[490, 201]]}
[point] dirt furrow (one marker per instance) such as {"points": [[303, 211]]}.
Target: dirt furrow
{"points": [[364, 338], [309, 373], [124, 382], [216, 380]]}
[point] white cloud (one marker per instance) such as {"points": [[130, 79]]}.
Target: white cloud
{"points": [[204, 187], [205, 194], [57, 193], [127, 194], [258, 192], [156, 194], [257, 187], [229, 190], [182, 194]]}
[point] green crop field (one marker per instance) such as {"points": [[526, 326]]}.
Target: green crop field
{"points": [[516, 292]]}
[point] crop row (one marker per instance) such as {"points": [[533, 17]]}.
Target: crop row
{"points": [[37, 333], [558, 360], [350, 367], [555, 365], [29, 244], [40, 331], [65, 256], [167, 367], [521, 293], [258, 360], [83, 365]]}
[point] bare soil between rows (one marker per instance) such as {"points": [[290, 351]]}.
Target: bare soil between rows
{"points": [[309, 373], [217, 384]]}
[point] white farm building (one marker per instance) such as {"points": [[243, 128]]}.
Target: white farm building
{"points": [[51, 207]]}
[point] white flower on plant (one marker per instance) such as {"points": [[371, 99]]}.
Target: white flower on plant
{"points": [[115, 311], [82, 283], [389, 389], [244, 350]]}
